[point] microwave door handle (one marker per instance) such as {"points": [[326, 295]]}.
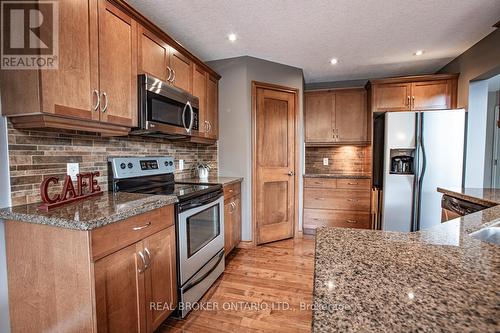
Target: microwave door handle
{"points": [[192, 117], [184, 117]]}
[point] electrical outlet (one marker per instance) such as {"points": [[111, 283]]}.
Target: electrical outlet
{"points": [[72, 169], [325, 161], [181, 165]]}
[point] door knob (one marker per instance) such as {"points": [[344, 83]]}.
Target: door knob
{"points": [[290, 173]]}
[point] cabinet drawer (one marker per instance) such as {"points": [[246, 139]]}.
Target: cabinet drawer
{"points": [[320, 182], [340, 199], [315, 218], [355, 184], [232, 190], [116, 236]]}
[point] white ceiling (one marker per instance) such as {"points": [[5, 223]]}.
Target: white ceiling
{"points": [[371, 38]]}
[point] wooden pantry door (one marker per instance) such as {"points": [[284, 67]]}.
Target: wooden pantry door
{"points": [[274, 162]]}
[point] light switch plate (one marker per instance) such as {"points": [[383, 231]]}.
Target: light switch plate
{"points": [[72, 169], [325, 161], [181, 165]]}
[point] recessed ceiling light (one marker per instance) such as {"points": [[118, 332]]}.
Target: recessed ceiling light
{"points": [[231, 37], [334, 61], [419, 52]]}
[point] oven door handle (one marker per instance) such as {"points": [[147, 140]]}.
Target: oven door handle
{"points": [[199, 203], [201, 278]]}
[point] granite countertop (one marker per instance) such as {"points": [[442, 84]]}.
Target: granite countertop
{"points": [[439, 279], [482, 196], [337, 175], [211, 180], [92, 213]]}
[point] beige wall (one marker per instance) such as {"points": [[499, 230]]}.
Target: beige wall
{"points": [[481, 61]]}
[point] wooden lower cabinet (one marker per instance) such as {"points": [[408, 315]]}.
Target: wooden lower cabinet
{"points": [[129, 289], [336, 203], [117, 287], [232, 217]]}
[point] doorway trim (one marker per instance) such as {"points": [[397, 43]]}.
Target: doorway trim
{"points": [[295, 91]]}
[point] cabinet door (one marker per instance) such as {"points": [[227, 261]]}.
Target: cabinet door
{"points": [[351, 116], [153, 54], [431, 95], [391, 97], [182, 70], [119, 291], [69, 90], [160, 277], [117, 65], [200, 91], [236, 221], [212, 114], [228, 226], [319, 117]]}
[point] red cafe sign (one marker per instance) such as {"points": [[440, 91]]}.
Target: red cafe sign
{"points": [[86, 186]]}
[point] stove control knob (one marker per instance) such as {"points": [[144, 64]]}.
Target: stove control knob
{"points": [[130, 165], [170, 163], [166, 163], [123, 165]]}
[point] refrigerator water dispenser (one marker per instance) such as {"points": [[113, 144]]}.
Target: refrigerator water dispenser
{"points": [[402, 161]]}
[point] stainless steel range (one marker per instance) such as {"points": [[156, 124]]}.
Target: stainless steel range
{"points": [[199, 221]]}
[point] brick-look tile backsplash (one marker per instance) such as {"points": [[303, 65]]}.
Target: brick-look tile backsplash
{"points": [[342, 160], [34, 155]]}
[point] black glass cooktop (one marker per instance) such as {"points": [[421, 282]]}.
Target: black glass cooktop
{"points": [[164, 185]]}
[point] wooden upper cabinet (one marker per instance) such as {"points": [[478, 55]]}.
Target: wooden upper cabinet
{"points": [[336, 117], [181, 70], [431, 95], [212, 114], [117, 65], [160, 277], [103, 46], [392, 97], [351, 116], [153, 54], [67, 90], [119, 292], [414, 93], [319, 117]]}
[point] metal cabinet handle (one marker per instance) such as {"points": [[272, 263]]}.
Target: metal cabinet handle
{"points": [[169, 73], [209, 126], [413, 98], [408, 100], [173, 76], [105, 107], [290, 173], [98, 99], [142, 226], [233, 207], [352, 183], [351, 221], [352, 200], [144, 264], [149, 256]]}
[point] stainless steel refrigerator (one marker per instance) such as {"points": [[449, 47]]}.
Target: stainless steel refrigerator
{"points": [[422, 151]]}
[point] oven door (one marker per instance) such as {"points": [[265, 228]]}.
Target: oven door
{"points": [[200, 236]]}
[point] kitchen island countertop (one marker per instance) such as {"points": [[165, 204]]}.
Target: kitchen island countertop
{"points": [[439, 279], [483, 196]]}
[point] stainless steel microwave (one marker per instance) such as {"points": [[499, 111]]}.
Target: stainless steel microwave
{"points": [[165, 110]]}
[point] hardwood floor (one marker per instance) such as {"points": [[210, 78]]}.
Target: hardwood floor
{"points": [[266, 289]]}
